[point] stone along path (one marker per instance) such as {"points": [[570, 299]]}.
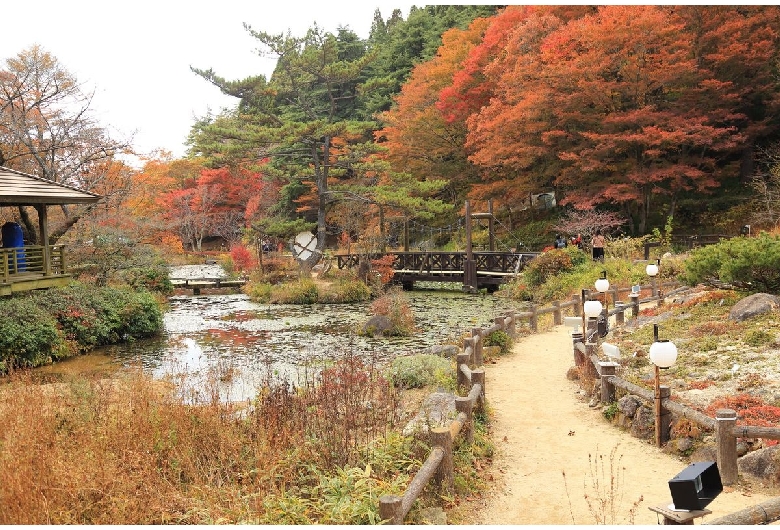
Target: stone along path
{"points": [[542, 429]]}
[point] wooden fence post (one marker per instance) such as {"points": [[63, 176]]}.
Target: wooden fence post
{"points": [[607, 369], [660, 298], [615, 294], [532, 321], [443, 478], [726, 456], [478, 378], [579, 356], [577, 299], [512, 326], [390, 509], [477, 338], [634, 306], [463, 382], [466, 406], [620, 313], [468, 348], [557, 318], [590, 368]]}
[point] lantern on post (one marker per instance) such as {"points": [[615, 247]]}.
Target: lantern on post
{"points": [[652, 271], [663, 354]]}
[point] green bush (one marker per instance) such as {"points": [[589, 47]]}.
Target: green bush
{"points": [[758, 337], [549, 264], [52, 323], [95, 316], [501, 339], [610, 411], [28, 334], [749, 263], [153, 277], [418, 371]]}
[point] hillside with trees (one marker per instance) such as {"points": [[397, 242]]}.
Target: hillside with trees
{"points": [[647, 113]]}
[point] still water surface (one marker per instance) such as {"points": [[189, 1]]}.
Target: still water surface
{"points": [[227, 346]]}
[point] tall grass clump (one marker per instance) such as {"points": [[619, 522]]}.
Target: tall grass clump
{"points": [[303, 291], [129, 451], [345, 291]]}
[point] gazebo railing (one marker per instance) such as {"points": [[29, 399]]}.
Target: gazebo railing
{"points": [[20, 261]]}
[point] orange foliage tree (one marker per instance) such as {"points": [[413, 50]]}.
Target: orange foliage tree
{"points": [[627, 103], [419, 138]]}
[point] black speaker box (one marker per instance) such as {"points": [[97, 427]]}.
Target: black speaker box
{"points": [[695, 486]]}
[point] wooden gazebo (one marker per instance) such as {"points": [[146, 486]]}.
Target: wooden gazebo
{"points": [[27, 267]]}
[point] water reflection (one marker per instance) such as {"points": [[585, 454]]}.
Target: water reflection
{"points": [[226, 346]]}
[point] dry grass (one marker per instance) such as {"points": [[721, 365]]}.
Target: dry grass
{"points": [[127, 451]]}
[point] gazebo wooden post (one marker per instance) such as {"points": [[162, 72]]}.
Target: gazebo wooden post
{"points": [[43, 225]]}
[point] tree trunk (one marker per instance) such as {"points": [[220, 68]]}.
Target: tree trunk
{"points": [[29, 227]]}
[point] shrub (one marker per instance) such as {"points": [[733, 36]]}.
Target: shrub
{"points": [[418, 371], [152, 277], [750, 263], [758, 337], [92, 316], [610, 411], [384, 267], [242, 259], [549, 264], [395, 306], [501, 339], [258, 291], [28, 334]]}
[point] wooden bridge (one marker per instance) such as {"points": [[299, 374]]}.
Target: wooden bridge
{"points": [[196, 284], [474, 270]]}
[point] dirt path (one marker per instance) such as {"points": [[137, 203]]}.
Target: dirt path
{"points": [[543, 429]]}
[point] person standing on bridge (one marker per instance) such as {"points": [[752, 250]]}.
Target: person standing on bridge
{"points": [[598, 246]]}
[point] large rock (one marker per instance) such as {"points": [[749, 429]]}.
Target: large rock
{"points": [[448, 351], [377, 326], [627, 405], [753, 306], [643, 425], [761, 464], [438, 410]]}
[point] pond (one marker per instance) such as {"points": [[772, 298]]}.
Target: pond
{"points": [[225, 346]]}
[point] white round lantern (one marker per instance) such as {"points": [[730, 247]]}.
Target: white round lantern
{"points": [[592, 308], [651, 269], [663, 353], [602, 285]]}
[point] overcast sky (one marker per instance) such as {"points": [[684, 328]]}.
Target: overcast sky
{"points": [[136, 56]]}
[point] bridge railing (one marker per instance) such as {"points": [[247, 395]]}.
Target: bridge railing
{"points": [[498, 262]]}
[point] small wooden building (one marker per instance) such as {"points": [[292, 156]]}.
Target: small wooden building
{"points": [[27, 267]]}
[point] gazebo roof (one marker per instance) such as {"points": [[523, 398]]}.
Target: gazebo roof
{"points": [[21, 189]]}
